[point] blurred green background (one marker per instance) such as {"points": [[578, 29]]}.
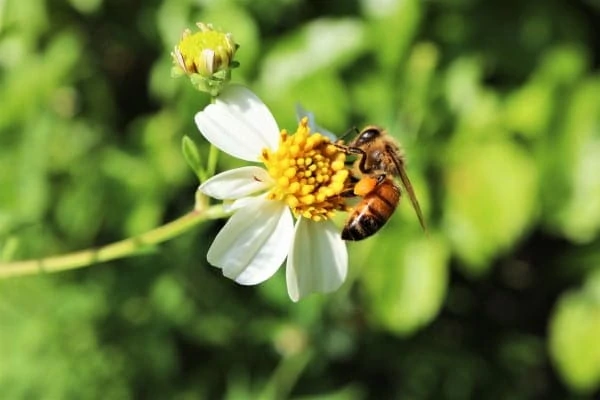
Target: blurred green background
{"points": [[497, 104]]}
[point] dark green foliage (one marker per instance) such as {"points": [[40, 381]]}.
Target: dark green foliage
{"points": [[497, 104]]}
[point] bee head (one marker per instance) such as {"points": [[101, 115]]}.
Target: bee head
{"points": [[368, 135]]}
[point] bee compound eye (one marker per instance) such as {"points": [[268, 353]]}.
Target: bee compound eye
{"points": [[367, 135]]}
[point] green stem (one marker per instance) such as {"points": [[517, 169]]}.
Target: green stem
{"points": [[286, 375], [120, 249], [213, 155]]}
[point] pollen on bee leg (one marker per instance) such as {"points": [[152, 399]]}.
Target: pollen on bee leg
{"points": [[365, 186]]}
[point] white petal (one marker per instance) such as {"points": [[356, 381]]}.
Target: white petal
{"points": [[237, 183], [208, 59], [318, 260], [254, 242], [238, 203], [239, 123]]}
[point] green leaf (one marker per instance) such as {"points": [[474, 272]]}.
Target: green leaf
{"points": [[572, 160], [59, 329], [8, 248], [192, 157], [529, 110], [490, 200], [392, 28], [574, 335], [405, 282], [415, 88], [320, 44], [373, 99], [86, 6]]}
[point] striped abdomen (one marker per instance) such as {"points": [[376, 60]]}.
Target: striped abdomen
{"points": [[372, 212]]}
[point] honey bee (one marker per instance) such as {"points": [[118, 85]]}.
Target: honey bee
{"points": [[379, 161]]}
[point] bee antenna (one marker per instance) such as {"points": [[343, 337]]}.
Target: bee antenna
{"points": [[353, 130]]}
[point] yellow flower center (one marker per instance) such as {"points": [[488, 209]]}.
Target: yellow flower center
{"points": [[309, 173]]}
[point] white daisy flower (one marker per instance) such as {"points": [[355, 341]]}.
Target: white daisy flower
{"points": [[302, 176]]}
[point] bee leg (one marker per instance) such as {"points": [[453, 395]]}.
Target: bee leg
{"points": [[381, 178], [342, 147], [349, 191], [348, 149], [362, 167]]}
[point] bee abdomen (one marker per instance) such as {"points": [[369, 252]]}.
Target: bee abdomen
{"points": [[362, 227], [372, 213]]}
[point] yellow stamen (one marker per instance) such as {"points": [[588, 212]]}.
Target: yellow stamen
{"points": [[309, 172]]}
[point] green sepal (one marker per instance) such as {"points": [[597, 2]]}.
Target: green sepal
{"points": [[212, 85]]}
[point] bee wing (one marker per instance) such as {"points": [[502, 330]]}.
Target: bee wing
{"points": [[301, 112], [401, 173]]}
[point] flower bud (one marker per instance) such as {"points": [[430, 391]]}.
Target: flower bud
{"points": [[206, 57]]}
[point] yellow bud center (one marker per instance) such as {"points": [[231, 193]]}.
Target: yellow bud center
{"points": [[309, 173], [205, 52]]}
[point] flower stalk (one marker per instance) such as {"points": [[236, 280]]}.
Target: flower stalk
{"points": [[121, 249]]}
